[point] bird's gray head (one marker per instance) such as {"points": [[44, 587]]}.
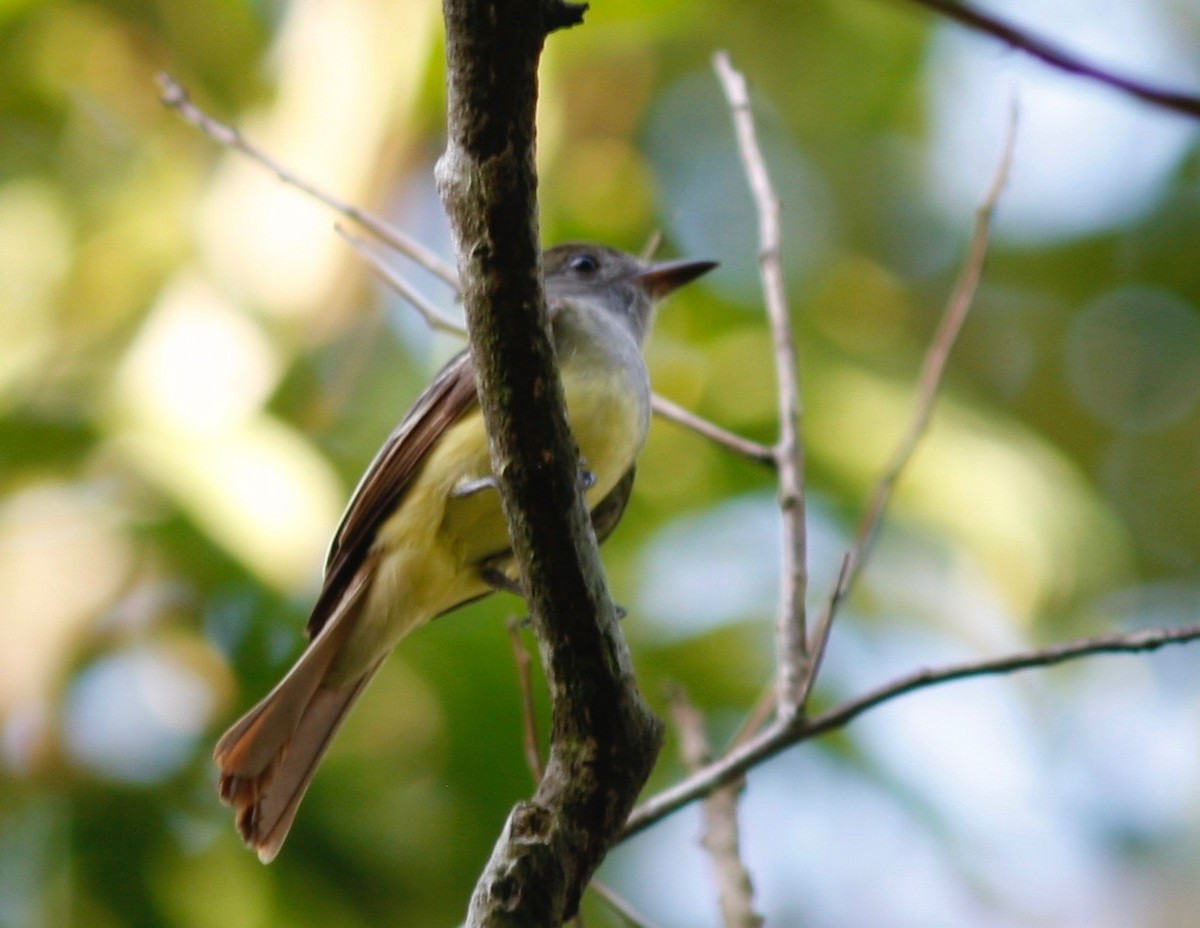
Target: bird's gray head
{"points": [[627, 285]]}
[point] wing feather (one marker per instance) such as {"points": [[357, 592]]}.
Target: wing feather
{"points": [[450, 395]]}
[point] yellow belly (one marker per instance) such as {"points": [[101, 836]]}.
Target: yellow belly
{"points": [[609, 421], [430, 550], [606, 420]]}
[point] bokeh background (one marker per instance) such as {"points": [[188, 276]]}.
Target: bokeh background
{"points": [[194, 369]]}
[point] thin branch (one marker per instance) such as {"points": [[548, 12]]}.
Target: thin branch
{"points": [[650, 249], [1060, 58], [782, 734], [529, 738], [750, 450], [757, 717], [173, 94], [791, 636], [624, 911], [735, 890], [426, 310], [933, 367], [346, 374]]}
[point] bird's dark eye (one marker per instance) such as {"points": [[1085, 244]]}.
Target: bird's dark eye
{"points": [[583, 264]]}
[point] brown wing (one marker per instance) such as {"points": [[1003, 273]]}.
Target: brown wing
{"points": [[381, 488], [451, 394]]}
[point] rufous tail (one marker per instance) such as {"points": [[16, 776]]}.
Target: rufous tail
{"points": [[269, 756]]}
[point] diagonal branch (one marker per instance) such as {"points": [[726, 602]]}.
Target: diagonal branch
{"points": [[434, 318], [174, 95], [743, 447], [782, 735], [620, 907], [790, 633], [928, 381], [1062, 59]]}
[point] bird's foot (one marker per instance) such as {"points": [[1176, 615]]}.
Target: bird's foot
{"points": [[465, 488], [587, 476], [501, 582]]}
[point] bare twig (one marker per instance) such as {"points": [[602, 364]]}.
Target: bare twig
{"points": [[621, 907], [653, 243], [176, 97], [1060, 58], [751, 450], [745, 742], [529, 738], [783, 734], [791, 636], [329, 403], [426, 310], [734, 888], [932, 369], [757, 717]]}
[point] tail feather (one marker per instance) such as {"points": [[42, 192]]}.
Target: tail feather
{"points": [[266, 806], [269, 756]]}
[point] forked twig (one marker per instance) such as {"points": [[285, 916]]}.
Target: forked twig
{"points": [[783, 734], [788, 731], [433, 317]]}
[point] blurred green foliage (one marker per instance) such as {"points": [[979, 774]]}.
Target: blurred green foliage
{"points": [[194, 369]]}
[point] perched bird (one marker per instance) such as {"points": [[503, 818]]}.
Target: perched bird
{"points": [[424, 532]]}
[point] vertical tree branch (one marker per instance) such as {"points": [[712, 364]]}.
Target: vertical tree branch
{"points": [[791, 634], [603, 738], [735, 890]]}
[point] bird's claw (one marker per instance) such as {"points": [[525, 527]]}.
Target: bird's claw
{"points": [[466, 488], [587, 477], [501, 582]]}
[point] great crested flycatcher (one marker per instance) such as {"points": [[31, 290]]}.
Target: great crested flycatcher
{"points": [[424, 532]]}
